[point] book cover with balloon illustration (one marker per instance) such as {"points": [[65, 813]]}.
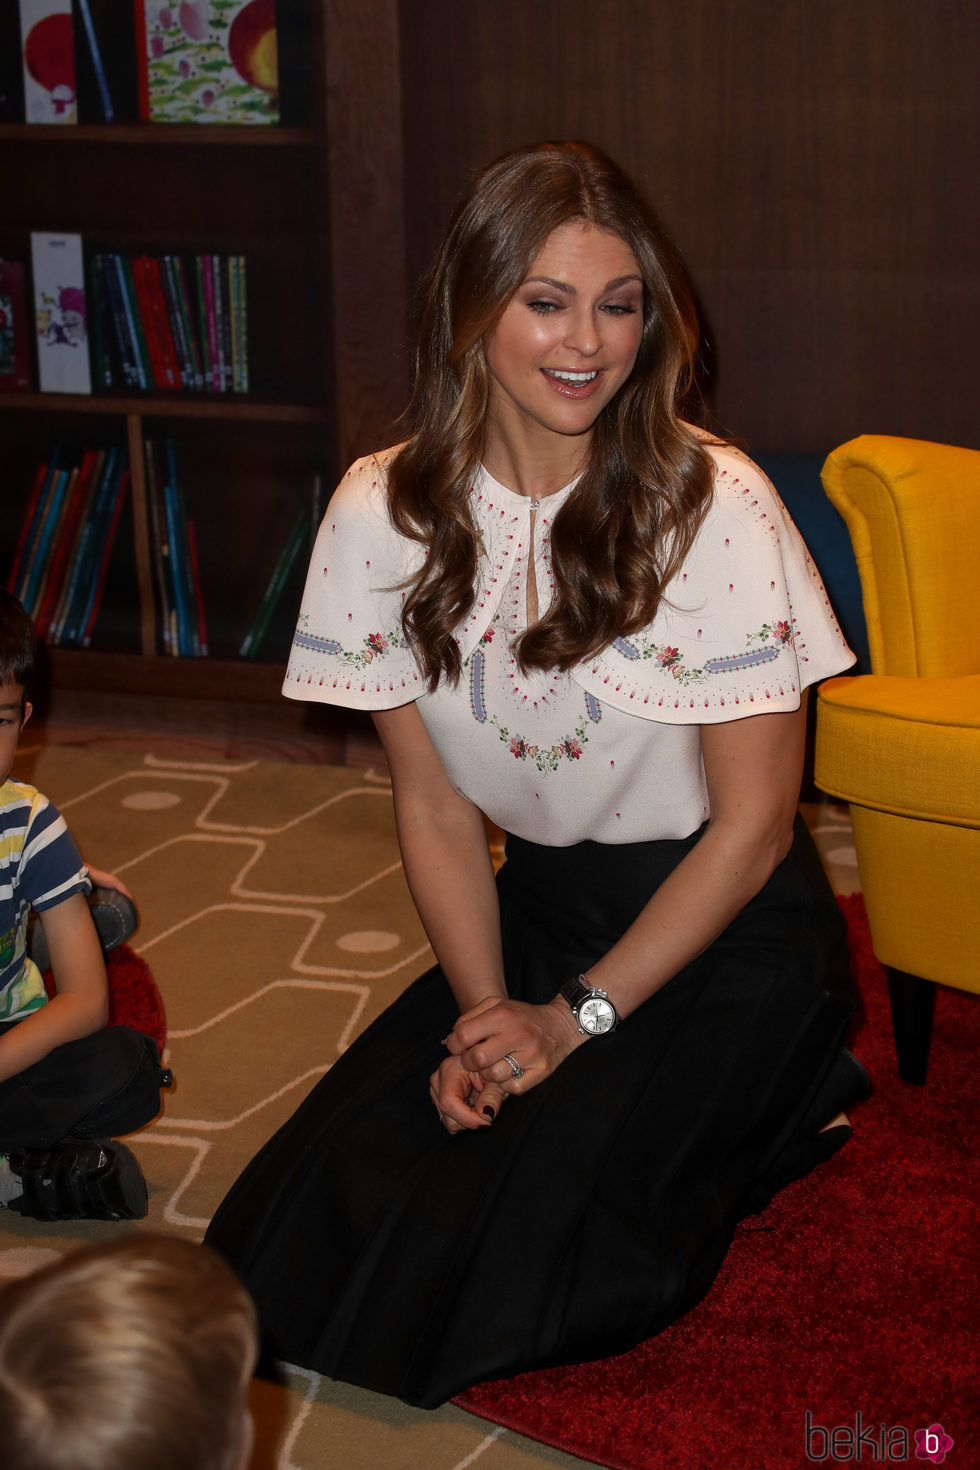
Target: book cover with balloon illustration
{"points": [[48, 53], [207, 61]]}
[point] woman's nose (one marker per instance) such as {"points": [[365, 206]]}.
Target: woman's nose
{"points": [[583, 333]]}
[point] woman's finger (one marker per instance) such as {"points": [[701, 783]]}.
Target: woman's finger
{"points": [[489, 1101]]}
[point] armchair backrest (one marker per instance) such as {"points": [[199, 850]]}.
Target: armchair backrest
{"points": [[913, 512]]}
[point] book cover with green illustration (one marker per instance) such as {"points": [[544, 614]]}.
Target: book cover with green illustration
{"points": [[208, 61]]}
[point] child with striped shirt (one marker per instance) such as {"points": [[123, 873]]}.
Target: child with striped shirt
{"points": [[68, 1082]]}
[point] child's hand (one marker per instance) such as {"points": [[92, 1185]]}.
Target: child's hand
{"points": [[108, 880]]}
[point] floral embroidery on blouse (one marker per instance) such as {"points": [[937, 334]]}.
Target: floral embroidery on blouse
{"points": [[772, 637], [374, 646], [545, 757]]}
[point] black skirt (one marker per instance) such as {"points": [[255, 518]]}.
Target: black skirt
{"points": [[599, 1206]]}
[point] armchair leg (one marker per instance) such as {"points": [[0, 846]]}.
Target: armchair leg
{"points": [[912, 1001]]}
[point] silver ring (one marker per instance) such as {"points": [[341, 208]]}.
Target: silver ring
{"points": [[514, 1066]]}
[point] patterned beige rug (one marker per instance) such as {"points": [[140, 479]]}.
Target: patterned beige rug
{"points": [[277, 923]]}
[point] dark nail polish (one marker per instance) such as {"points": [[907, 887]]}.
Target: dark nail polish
{"points": [[490, 1112]]}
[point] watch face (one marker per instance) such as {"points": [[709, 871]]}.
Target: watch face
{"points": [[596, 1015]]}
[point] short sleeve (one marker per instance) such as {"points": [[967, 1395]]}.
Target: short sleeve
{"points": [[744, 626], [51, 867], [349, 648]]}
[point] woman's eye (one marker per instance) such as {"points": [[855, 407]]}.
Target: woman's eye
{"points": [[619, 308], [544, 308]]}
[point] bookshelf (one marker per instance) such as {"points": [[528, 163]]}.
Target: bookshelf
{"points": [[316, 207]]}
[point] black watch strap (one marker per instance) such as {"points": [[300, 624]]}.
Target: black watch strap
{"points": [[575, 991]]}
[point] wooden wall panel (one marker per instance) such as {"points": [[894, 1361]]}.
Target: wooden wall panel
{"points": [[816, 161]]}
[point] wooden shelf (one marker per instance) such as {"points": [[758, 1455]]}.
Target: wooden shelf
{"points": [[241, 680], [219, 135], [149, 405]]}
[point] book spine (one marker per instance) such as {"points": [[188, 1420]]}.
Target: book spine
{"points": [[220, 321], [236, 352], [28, 575], [243, 321], [73, 563], [184, 301], [48, 552], [108, 111], [171, 506], [142, 350], [202, 630], [78, 591], [33, 501], [67, 531], [102, 516], [214, 349], [158, 542], [205, 307], [117, 316], [274, 589], [114, 515], [129, 315], [48, 519], [142, 60], [146, 322], [168, 287], [15, 355], [161, 321], [99, 326], [187, 571]]}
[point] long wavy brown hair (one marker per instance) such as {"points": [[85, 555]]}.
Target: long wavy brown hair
{"points": [[646, 482]]}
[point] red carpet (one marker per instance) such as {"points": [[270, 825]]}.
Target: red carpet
{"points": [[134, 999], [854, 1293]]}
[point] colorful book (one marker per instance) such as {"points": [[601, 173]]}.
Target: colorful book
{"points": [[60, 313], [101, 567], [15, 357], [207, 61], [70, 573], [67, 532], [48, 54], [23, 539]]}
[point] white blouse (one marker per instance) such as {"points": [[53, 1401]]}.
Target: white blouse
{"points": [[610, 751]]}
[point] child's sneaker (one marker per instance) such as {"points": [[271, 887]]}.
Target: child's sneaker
{"points": [[80, 1179]]}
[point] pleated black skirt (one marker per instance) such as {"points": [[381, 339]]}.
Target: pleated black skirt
{"points": [[382, 1251]]}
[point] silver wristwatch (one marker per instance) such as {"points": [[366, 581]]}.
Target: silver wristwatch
{"points": [[594, 1012]]}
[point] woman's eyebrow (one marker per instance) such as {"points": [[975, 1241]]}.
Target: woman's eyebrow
{"points": [[570, 290]]}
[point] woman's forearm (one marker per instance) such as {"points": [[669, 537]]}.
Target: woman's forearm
{"points": [[752, 769], [446, 857], [450, 876], [695, 904]]}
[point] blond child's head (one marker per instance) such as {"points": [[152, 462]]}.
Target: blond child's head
{"points": [[134, 1355]]}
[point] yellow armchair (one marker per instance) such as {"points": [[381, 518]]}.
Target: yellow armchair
{"points": [[902, 745]]}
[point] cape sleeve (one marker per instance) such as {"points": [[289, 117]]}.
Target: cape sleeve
{"points": [[744, 626], [349, 648]]}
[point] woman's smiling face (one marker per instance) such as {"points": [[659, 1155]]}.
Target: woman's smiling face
{"points": [[568, 338]]}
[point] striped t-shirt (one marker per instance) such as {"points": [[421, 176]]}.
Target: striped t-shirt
{"points": [[40, 866]]}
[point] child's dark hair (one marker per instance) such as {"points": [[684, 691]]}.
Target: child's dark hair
{"points": [[18, 643]]}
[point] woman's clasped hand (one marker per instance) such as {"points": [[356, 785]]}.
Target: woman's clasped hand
{"points": [[500, 1048]]}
